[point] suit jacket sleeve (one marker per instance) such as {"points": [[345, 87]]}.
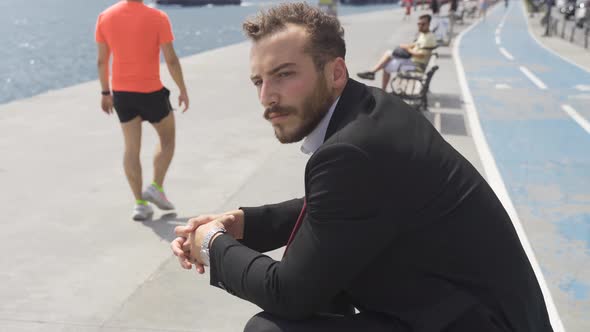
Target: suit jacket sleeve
{"points": [[340, 235], [268, 227]]}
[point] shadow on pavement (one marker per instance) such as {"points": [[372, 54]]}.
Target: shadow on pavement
{"points": [[164, 226], [445, 100], [444, 56]]}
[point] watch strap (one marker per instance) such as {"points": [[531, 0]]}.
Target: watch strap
{"points": [[207, 241]]}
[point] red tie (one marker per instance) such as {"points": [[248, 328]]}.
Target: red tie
{"points": [[297, 225]]}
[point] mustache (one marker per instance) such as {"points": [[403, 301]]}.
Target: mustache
{"points": [[279, 110]]}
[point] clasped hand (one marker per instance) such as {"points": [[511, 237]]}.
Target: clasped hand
{"points": [[187, 246]]}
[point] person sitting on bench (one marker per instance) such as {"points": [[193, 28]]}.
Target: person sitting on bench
{"points": [[410, 57]]}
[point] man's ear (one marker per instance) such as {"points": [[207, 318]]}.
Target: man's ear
{"points": [[339, 73]]}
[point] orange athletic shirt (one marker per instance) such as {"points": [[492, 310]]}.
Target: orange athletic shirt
{"points": [[134, 33]]}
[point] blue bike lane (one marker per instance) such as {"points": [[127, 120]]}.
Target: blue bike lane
{"points": [[533, 111]]}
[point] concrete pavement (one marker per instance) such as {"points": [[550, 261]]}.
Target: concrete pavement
{"points": [[560, 43], [72, 258]]}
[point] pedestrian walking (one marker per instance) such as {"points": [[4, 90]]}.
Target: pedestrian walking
{"points": [[134, 34]]}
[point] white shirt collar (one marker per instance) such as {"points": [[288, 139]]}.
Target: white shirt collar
{"points": [[315, 139]]}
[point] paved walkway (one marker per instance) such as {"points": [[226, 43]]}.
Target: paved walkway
{"points": [[572, 51], [564, 30], [534, 115], [72, 258]]}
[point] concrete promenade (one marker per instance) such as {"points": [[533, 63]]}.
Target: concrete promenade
{"points": [[73, 260]]}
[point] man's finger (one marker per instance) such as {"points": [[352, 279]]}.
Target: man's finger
{"points": [[193, 224], [197, 221], [176, 246], [184, 231], [198, 266], [186, 246], [184, 263]]}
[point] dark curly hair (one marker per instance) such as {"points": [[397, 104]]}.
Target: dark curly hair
{"points": [[326, 40]]}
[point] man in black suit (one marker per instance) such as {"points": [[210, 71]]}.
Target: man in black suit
{"points": [[394, 223]]}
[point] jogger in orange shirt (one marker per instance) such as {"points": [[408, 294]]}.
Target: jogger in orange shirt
{"points": [[134, 34]]}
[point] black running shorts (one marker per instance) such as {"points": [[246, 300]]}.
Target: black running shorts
{"points": [[151, 106]]}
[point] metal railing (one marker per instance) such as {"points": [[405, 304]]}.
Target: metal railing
{"points": [[556, 25]]}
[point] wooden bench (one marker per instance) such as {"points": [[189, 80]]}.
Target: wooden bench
{"points": [[413, 86]]}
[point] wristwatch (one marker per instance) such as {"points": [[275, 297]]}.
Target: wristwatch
{"points": [[206, 242], [105, 93]]}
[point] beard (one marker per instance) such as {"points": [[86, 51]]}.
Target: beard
{"points": [[313, 110]]}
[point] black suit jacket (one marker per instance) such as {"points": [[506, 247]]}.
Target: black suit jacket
{"points": [[397, 222]]}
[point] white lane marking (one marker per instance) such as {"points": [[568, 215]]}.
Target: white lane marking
{"points": [[495, 179], [506, 54], [533, 78], [503, 86], [447, 111], [501, 25], [498, 40], [582, 87], [577, 117]]}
